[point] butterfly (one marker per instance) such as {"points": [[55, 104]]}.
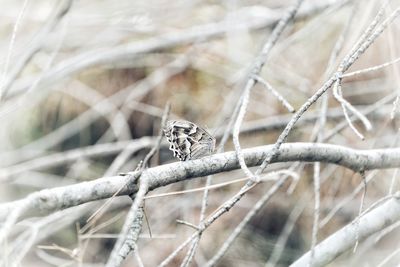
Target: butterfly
{"points": [[188, 140]]}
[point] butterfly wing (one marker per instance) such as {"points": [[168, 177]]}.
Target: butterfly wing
{"points": [[187, 140], [204, 144], [175, 132], [199, 151]]}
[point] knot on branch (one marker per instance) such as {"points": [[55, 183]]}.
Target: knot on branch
{"points": [[46, 200], [338, 75]]}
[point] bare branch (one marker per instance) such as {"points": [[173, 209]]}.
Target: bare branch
{"points": [[256, 69], [281, 99], [11, 46], [50, 200], [126, 243], [343, 240], [60, 11]]}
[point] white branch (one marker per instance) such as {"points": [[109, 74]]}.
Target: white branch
{"points": [[344, 239], [50, 200]]}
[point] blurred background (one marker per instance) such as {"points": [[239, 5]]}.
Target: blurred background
{"points": [[83, 89]]}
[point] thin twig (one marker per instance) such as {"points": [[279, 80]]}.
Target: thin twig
{"points": [[281, 99], [370, 69], [257, 207], [337, 92], [61, 9], [337, 207], [11, 46], [341, 241], [357, 222], [241, 107], [257, 67], [345, 65], [191, 225], [133, 223], [366, 111], [320, 133]]}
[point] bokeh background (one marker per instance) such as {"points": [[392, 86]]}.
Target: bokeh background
{"points": [[84, 83]]}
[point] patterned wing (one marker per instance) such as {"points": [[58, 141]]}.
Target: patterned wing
{"points": [[205, 145], [188, 141]]}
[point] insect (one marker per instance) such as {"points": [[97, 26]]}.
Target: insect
{"points": [[188, 140]]}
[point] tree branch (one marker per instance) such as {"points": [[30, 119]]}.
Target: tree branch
{"points": [[344, 239], [50, 200]]}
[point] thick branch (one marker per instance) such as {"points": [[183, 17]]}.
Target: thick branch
{"points": [[344, 239], [49, 200]]}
